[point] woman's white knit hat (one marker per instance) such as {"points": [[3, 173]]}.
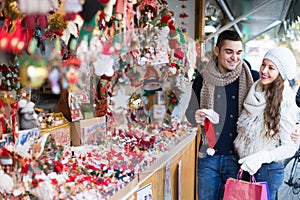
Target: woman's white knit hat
{"points": [[285, 61]]}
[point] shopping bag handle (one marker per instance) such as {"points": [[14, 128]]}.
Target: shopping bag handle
{"points": [[240, 175]]}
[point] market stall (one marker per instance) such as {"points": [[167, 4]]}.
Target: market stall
{"points": [[92, 101]]}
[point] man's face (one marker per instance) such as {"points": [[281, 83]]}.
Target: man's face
{"points": [[229, 55]]}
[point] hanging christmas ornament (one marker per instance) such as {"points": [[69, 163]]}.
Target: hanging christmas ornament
{"points": [[54, 79], [120, 100], [33, 71], [57, 24], [173, 97], [119, 9], [105, 61], [135, 101], [72, 29], [166, 15], [13, 40], [130, 13], [179, 53], [134, 77], [55, 69], [87, 29], [108, 11], [136, 106], [148, 10], [10, 8], [71, 69], [33, 21], [151, 82]]}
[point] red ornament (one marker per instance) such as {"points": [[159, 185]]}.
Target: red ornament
{"points": [[179, 53], [103, 1]]}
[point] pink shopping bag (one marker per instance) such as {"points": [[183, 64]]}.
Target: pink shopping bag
{"points": [[237, 189]]}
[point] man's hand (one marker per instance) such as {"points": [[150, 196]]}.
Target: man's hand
{"points": [[210, 114], [200, 117]]}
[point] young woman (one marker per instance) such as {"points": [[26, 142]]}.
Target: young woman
{"points": [[267, 120]]}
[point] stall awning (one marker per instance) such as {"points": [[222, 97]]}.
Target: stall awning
{"points": [[253, 18]]}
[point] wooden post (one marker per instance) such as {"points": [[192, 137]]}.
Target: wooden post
{"points": [[200, 19], [199, 34]]}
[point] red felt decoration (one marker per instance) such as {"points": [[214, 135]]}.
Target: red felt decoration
{"points": [[183, 15], [32, 21], [13, 40], [179, 53], [103, 1], [210, 133]]}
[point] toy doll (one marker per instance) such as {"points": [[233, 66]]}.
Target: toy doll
{"points": [[2, 119]]}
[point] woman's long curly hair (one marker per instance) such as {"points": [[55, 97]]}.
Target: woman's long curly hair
{"points": [[272, 111]]}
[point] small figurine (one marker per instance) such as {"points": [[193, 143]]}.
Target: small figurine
{"points": [[71, 68], [13, 117], [27, 114]]}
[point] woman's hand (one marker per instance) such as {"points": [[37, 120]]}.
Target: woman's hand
{"points": [[295, 136]]}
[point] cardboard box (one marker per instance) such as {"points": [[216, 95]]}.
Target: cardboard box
{"points": [[59, 130], [88, 131], [24, 141], [62, 135]]}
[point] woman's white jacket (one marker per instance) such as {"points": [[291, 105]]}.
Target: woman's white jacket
{"points": [[251, 138]]}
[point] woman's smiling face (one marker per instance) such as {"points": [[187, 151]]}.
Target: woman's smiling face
{"points": [[268, 72]]}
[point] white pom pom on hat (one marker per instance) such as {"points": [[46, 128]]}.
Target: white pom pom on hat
{"points": [[285, 61]]}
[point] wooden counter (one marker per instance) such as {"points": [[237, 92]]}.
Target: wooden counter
{"points": [[182, 154]]}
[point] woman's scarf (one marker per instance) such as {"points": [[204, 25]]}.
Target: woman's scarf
{"points": [[255, 102]]}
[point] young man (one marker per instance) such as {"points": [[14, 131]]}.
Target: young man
{"points": [[221, 88]]}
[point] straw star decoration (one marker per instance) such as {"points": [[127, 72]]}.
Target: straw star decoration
{"points": [[121, 100]]}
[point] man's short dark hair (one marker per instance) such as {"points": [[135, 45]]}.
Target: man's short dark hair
{"points": [[227, 35]]}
